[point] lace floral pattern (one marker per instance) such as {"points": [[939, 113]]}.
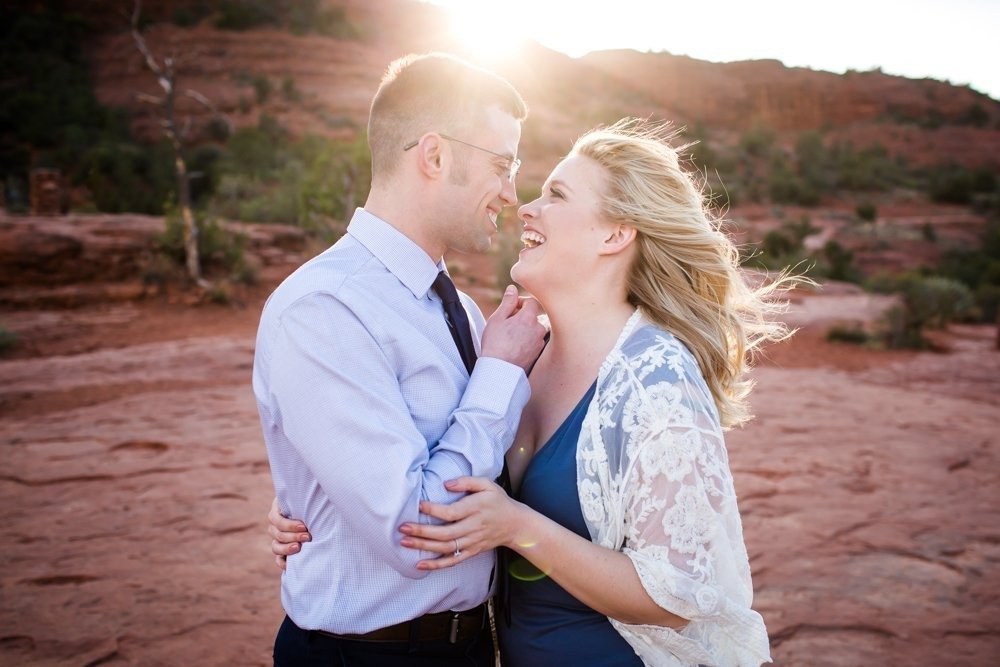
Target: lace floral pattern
{"points": [[654, 481]]}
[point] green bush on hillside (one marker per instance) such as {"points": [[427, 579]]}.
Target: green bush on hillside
{"points": [[927, 303], [247, 14], [314, 183], [219, 249], [8, 339], [51, 118], [299, 16]]}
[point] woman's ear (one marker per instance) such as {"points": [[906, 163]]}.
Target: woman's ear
{"points": [[618, 240]]}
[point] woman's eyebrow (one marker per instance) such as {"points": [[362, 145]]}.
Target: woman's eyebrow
{"points": [[561, 184]]}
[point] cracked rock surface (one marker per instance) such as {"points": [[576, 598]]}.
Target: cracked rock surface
{"points": [[134, 483]]}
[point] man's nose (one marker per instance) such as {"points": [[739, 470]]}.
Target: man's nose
{"points": [[508, 193]]}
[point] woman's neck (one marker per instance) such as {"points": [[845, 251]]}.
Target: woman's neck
{"points": [[585, 326]]}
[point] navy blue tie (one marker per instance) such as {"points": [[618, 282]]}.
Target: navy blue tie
{"points": [[458, 321], [458, 324]]}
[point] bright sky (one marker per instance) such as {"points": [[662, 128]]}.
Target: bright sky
{"points": [[957, 40]]}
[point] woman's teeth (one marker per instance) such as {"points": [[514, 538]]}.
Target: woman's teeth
{"points": [[532, 239]]}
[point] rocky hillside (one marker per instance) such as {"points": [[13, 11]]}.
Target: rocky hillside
{"points": [[323, 84]]}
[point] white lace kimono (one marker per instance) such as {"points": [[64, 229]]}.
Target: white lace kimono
{"points": [[654, 481]]}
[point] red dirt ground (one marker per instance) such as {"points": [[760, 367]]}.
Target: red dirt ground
{"points": [[134, 484]]}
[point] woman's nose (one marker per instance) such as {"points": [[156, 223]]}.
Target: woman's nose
{"points": [[526, 212]]}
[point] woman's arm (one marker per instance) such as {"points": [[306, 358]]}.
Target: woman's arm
{"points": [[600, 578]]}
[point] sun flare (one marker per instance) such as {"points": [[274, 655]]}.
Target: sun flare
{"points": [[485, 33]]}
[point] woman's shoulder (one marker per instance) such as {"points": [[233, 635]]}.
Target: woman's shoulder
{"points": [[652, 349]]}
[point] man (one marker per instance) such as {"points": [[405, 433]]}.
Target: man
{"points": [[373, 388]]}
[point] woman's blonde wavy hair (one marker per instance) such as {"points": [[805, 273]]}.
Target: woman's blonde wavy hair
{"points": [[686, 276]]}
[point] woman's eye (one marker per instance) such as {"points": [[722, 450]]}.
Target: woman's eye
{"points": [[555, 193]]}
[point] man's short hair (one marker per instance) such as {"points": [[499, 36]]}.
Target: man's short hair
{"points": [[433, 92]]}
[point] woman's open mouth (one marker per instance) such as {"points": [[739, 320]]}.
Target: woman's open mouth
{"points": [[531, 239]]}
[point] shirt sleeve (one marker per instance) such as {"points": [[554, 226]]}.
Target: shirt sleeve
{"points": [[335, 393]]}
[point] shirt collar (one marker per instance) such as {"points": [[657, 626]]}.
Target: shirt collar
{"points": [[404, 258]]}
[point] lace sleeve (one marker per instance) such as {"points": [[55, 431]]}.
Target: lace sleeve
{"points": [[667, 496]]}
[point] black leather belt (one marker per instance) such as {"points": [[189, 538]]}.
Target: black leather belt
{"points": [[453, 626]]}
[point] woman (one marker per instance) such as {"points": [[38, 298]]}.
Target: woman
{"points": [[628, 542]]}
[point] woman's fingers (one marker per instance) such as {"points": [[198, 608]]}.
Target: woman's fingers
{"points": [[469, 484], [434, 546], [443, 533], [287, 538], [278, 520], [444, 512], [284, 548], [442, 562], [281, 563]]}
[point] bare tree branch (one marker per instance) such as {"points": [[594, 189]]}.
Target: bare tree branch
{"points": [[151, 99], [140, 43], [204, 101], [208, 104]]}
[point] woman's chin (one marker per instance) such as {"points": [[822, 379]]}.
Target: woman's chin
{"points": [[522, 275]]}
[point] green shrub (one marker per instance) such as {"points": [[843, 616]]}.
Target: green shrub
{"points": [[928, 232], [976, 116], [247, 14], [840, 262], [185, 17], [299, 16], [307, 16], [979, 269], [852, 333], [289, 91], [758, 141], [988, 301], [786, 187], [801, 229], [869, 169], [257, 152], [220, 294], [315, 183], [927, 303], [866, 211], [8, 339], [900, 332], [218, 249], [778, 244], [204, 165], [51, 117], [262, 88], [161, 269], [218, 129], [125, 177], [951, 183]]}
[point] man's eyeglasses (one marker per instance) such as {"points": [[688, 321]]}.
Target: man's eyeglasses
{"points": [[513, 165]]}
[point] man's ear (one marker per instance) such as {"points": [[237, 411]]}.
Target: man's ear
{"points": [[430, 155], [618, 239]]}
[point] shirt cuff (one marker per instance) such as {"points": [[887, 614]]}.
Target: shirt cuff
{"points": [[498, 387]]}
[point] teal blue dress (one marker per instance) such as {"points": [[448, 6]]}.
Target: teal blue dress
{"points": [[548, 626]]}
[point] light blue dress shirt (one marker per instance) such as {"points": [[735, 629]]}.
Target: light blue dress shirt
{"points": [[367, 409]]}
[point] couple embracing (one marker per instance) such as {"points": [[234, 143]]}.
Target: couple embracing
{"points": [[411, 440]]}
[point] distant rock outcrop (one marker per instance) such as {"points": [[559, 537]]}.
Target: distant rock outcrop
{"points": [[924, 120]]}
